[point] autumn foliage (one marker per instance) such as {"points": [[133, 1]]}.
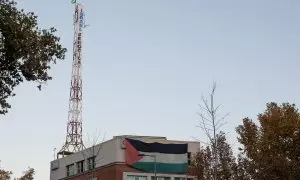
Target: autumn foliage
{"points": [[270, 149]]}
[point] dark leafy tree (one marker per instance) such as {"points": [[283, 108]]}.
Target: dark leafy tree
{"points": [[203, 166], [200, 164], [28, 175], [26, 51], [5, 175], [271, 150], [226, 161]]}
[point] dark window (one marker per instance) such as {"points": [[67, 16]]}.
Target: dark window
{"points": [[80, 167], [189, 154], [70, 170], [160, 178], [129, 177], [182, 178], [91, 163]]}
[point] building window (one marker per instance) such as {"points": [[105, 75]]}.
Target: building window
{"points": [[189, 154], [80, 167], [70, 170], [129, 177], [182, 178], [93, 178], [160, 178], [91, 163]]}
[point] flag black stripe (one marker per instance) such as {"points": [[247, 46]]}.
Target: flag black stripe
{"points": [[158, 147]]}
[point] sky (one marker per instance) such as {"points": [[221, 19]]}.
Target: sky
{"points": [[146, 65]]}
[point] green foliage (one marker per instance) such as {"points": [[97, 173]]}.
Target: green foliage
{"points": [[271, 150], [26, 51]]}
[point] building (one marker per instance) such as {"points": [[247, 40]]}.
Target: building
{"points": [[127, 158]]}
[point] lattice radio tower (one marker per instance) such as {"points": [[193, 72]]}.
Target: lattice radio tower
{"points": [[74, 141]]}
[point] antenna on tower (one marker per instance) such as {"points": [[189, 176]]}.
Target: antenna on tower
{"points": [[74, 141], [54, 150]]}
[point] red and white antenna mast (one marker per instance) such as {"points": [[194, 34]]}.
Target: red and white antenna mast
{"points": [[74, 141]]}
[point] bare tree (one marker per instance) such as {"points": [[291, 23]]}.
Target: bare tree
{"points": [[210, 123], [94, 147]]}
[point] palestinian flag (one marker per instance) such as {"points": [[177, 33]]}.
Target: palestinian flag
{"points": [[170, 158]]}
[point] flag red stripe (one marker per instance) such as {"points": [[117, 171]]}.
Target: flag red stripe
{"points": [[131, 155]]}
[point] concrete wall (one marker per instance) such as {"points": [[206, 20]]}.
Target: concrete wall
{"points": [[193, 147], [106, 154]]}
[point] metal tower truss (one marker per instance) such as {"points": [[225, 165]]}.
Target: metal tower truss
{"points": [[74, 141]]}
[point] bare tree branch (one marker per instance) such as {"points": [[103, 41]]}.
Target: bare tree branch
{"points": [[92, 143], [210, 123], [101, 144], [200, 140]]}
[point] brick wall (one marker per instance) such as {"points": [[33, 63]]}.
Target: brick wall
{"points": [[112, 172]]}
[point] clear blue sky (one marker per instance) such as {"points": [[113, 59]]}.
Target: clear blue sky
{"points": [[146, 64]]}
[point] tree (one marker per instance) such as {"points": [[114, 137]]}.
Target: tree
{"points": [[271, 149], [211, 122], [26, 51], [226, 168], [94, 150], [5, 175], [241, 172], [28, 175], [202, 165]]}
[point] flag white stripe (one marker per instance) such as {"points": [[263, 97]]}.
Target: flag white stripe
{"points": [[164, 158]]}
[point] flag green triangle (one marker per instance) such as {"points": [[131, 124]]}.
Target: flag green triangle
{"points": [[73, 1]]}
